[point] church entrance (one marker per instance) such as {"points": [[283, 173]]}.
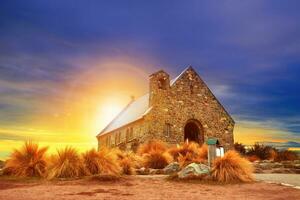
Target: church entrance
{"points": [[193, 132]]}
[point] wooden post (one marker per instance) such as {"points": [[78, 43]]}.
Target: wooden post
{"points": [[212, 145], [211, 154]]}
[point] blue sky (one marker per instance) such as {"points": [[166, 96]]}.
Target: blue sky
{"points": [[247, 51]]}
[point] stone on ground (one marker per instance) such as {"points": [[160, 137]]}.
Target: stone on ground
{"points": [[172, 168], [193, 170]]}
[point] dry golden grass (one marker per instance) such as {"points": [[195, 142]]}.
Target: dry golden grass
{"points": [[188, 153], [91, 161], [152, 145], [232, 168], [103, 161], [128, 161], [157, 160], [66, 164], [29, 161], [127, 166]]}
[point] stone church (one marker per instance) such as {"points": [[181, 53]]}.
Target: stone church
{"points": [[173, 111]]}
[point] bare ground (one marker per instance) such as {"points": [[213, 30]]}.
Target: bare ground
{"points": [[139, 187]]}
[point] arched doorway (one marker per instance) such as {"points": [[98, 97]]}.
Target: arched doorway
{"points": [[193, 131]]}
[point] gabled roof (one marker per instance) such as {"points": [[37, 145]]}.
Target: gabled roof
{"points": [[133, 111], [138, 108]]}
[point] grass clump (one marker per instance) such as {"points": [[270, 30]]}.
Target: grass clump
{"points": [[152, 146], [67, 163], [154, 154], [188, 153], [103, 161], [232, 168], [29, 161], [156, 159]]}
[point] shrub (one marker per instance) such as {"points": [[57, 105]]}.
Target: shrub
{"points": [[187, 147], [156, 159], [103, 161], [152, 145], [128, 161], [252, 158], [66, 164], [27, 162], [127, 166], [286, 155], [261, 151], [232, 168], [189, 152], [239, 147]]}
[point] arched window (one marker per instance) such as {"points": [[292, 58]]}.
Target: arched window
{"points": [[162, 84]]}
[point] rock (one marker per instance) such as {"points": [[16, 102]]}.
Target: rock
{"points": [[143, 171], [295, 171], [258, 171], [265, 166], [288, 165], [193, 169], [156, 171], [281, 171], [277, 165], [297, 161], [172, 168], [296, 166], [287, 162]]}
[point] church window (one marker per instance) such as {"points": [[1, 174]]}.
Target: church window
{"points": [[127, 135], [168, 129], [162, 84], [131, 133], [118, 138]]}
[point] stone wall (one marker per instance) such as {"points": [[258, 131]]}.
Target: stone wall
{"points": [[189, 98], [174, 105]]}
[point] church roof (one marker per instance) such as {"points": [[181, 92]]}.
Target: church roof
{"points": [[134, 111]]}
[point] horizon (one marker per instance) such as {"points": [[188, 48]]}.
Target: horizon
{"points": [[67, 69]]}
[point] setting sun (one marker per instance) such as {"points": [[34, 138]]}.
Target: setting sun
{"points": [[107, 112]]}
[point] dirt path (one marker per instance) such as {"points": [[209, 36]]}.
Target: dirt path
{"points": [[141, 188], [289, 179]]}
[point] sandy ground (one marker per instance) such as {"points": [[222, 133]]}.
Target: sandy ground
{"points": [[288, 179], [140, 187]]}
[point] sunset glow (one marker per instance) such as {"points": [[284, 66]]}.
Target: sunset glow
{"points": [[67, 71]]}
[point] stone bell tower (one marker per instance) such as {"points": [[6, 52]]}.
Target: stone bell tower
{"points": [[159, 83]]}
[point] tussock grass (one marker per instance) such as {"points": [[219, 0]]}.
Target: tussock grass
{"points": [[157, 160], [232, 168], [188, 153], [67, 163], [128, 161], [103, 161], [152, 145], [29, 161]]}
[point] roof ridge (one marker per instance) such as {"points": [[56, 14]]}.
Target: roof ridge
{"points": [[121, 112], [117, 116]]}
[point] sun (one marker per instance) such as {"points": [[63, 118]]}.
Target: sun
{"points": [[106, 112]]}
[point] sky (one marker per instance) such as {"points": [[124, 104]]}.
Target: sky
{"points": [[68, 67]]}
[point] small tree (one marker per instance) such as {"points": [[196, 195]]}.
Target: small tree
{"points": [[240, 148], [261, 151]]}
